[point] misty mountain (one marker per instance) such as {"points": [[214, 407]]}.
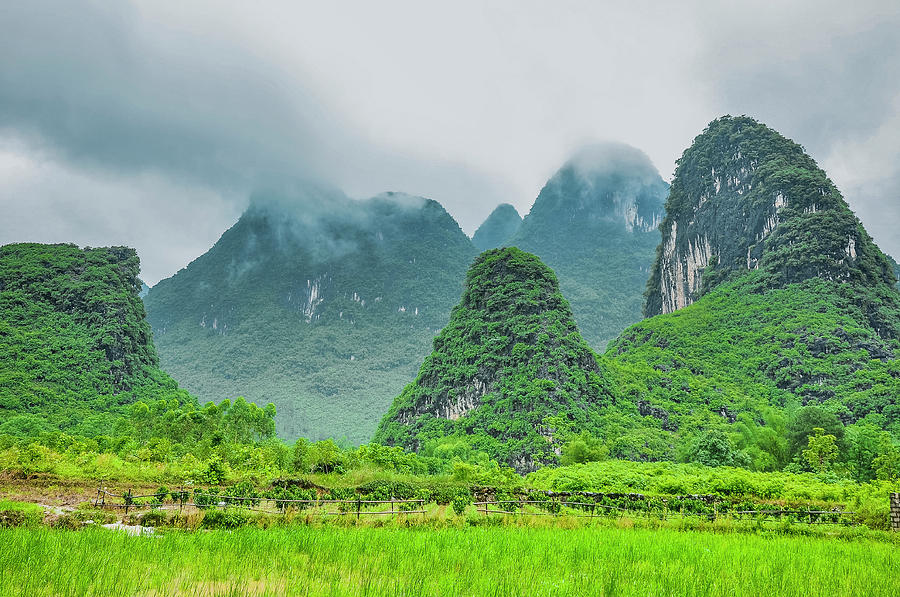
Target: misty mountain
{"points": [[320, 304], [595, 223], [498, 228], [896, 267], [507, 372]]}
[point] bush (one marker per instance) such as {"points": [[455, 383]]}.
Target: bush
{"points": [[153, 518], [461, 501], [229, 518]]}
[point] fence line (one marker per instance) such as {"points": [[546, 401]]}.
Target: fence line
{"points": [[557, 506], [277, 503], [508, 507]]}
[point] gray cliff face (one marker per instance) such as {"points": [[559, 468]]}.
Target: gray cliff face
{"points": [[744, 198]]}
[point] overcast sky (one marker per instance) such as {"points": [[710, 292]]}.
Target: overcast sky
{"points": [[150, 123]]}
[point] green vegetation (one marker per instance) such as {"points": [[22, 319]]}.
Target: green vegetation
{"points": [[400, 561], [744, 363], [595, 223], [508, 373], [498, 228], [75, 349], [325, 314]]}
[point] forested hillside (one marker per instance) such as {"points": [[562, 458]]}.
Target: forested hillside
{"points": [[595, 223], [325, 307], [75, 348], [510, 375]]}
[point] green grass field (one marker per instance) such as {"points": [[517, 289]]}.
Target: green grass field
{"points": [[448, 561]]}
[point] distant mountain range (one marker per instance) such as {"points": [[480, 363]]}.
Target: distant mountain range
{"points": [[318, 303], [771, 310], [498, 228]]}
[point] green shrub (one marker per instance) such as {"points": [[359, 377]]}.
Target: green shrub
{"points": [[153, 518], [229, 518], [461, 501]]}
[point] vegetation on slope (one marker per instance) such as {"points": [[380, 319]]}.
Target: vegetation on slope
{"points": [[509, 373], [326, 313], [795, 326], [595, 223], [75, 349]]}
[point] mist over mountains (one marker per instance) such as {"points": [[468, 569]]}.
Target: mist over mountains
{"points": [[595, 224]]}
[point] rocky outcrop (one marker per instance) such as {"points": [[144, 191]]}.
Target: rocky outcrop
{"points": [[746, 198]]}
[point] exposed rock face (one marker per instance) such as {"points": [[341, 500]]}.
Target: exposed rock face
{"points": [[596, 223], [498, 228], [507, 364], [744, 197], [323, 305]]}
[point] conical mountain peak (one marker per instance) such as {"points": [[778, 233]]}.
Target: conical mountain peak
{"points": [[498, 228], [508, 368]]}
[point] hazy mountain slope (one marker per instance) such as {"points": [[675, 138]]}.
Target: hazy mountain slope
{"points": [[595, 223], [75, 347], [498, 228], [896, 267], [324, 307], [508, 369]]}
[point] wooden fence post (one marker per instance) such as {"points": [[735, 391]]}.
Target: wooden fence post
{"points": [[895, 511]]}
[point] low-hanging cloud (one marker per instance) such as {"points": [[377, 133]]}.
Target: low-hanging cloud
{"points": [[151, 123], [103, 89]]}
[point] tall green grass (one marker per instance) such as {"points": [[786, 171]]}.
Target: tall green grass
{"points": [[450, 561]]}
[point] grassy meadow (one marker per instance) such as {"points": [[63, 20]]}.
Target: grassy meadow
{"points": [[501, 560]]}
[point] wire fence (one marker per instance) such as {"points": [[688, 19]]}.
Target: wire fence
{"points": [[595, 509], [321, 507]]}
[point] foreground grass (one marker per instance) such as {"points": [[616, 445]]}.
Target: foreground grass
{"points": [[447, 561]]}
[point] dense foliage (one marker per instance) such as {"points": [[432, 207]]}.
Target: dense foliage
{"points": [[508, 373], [75, 349], [595, 223], [325, 314], [498, 228]]}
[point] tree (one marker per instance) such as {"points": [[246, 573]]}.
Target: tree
{"points": [[863, 442], [300, 459], [822, 450], [887, 463], [713, 448], [805, 421], [583, 448]]}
